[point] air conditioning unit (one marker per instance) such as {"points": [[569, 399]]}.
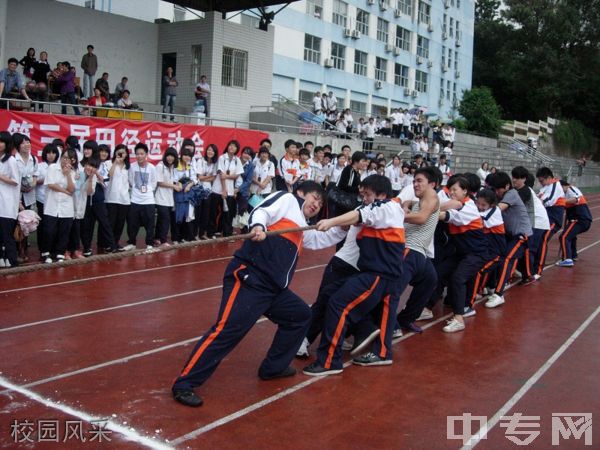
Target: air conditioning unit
{"points": [[370, 2], [378, 84], [429, 63], [397, 51], [457, 74], [445, 68], [355, 34], [441, 102], [444, 35], [414, 93], [458, 42], [383, 4], [328, 62], [389, 48], [397, 13], [347, 32], [420, 60], [430, 28], [446, 4], [406, 91]]}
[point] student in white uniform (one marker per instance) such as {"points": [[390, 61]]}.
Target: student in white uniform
{"points": [[166, 185], [117, 192], [264, 172], [206, 171], [50, 155], [10, 190]]}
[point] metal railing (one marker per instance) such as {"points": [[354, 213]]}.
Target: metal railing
{"points": [[526, 150]]}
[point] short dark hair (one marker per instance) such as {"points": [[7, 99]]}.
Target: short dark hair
{"points": [[171, 151], [288, 143], [346, 146], [499, 180], [564, 182], [72, 142], [13, 60], [544, 172], [248, 151], [428, 173], [235, 143], [304, 151], [49, 148], [266, 140], [519, 172], [311, 187], [488, 195], [188, 142], [460, 180], [6, 138], [318, 148], [142, 146], [263, 149], [90, 46], [124, 78], [358, 156], [94, 162], [379, 184], [327, 155], [530, 180], [91, 145], [308, 143], [214, 158], [474, 182], [126, 90], [185, 151]]}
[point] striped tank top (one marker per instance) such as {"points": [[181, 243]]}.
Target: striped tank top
{"points": [[419, 237]]}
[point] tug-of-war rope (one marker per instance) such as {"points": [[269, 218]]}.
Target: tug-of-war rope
{"points": [[137, 252]]}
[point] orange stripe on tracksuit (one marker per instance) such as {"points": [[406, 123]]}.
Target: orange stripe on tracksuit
{"points": [[227, 310], [481, 277], [544, 248], [383, 328], [340, 326], [563, 239], [507, 260]]}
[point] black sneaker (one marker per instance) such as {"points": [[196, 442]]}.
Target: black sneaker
{"points": [[87, 253], [288, 372], [371, 359], [187, 397], [317, 370]]}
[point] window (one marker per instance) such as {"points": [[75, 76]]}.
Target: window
{"points": [[196, 62], [405, 6], [441, 89], [449, 58], [448, 90], [90, 4], [305, 98], [360, 63], [362, 21], [235, 68], [380, 69], [403, 38], [314, 8], [312, 49], [422, 47], [457, 30], [458, 4], [178, 13], [455, 60], [379, 110], [443, 56], [420, 81], [250, 21], [454, 97], [451, 32], [424, 12], [359, 108], [401, 75], [445, 23], [382, 30], [338, 54], [340, 13]]}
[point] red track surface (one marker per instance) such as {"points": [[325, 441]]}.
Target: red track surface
{"points": [[93, 340]]}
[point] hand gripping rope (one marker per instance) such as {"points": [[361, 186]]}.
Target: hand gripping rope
{"points": [[137, 252]]}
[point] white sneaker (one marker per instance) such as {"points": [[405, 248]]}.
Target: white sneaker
{"points": [[397, 333], [128, 247], [2, 263], [7, 263], [303, 350], [494, 300], [518, 274], [453, 325], [48, 260], [537, 277], [151, 249], [426, 314], [60, 258]]}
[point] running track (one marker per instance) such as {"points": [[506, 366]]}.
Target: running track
{"points": [[105, 341]]}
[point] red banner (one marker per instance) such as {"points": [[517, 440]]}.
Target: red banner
{"points": [[44, 128]]}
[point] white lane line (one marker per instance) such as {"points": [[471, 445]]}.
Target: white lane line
{"points": [[128, 433], [127, 305], [485, 429], [112, 275], [236, 415]]}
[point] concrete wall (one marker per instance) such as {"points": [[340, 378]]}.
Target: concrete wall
{"points": [[213, 34], [3, 10], [125, 47]]}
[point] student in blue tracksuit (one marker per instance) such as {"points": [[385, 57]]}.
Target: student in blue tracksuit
{"points": [[578, 220], [256, 283], [381, 247]]}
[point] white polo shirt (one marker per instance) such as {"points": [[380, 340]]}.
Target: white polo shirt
{"points": [[226, 164], [58, 204], [9, 195]]}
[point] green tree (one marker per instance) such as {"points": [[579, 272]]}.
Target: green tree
{"points": [[481, 112]]}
